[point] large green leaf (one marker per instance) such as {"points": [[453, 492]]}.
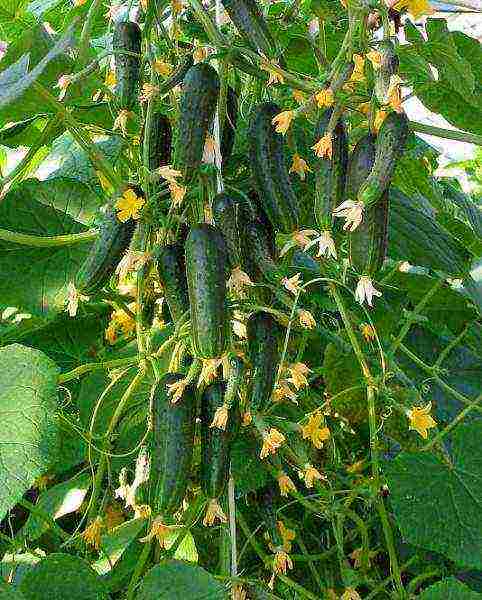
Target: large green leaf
{"points": [[14, 565], [449, 589], [8, 592], [175, 580], [437, 503], [28, 436], [35, 279], [115, 542], [62, 576]]}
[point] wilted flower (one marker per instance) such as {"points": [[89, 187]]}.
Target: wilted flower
{"points": [[352, 212], [366, 291], [213, 512], [282, 121], [91, 534], [323, 147], [299, 166], [286, 484], [272, 440]]}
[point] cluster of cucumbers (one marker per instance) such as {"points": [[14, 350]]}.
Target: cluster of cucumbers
{"points": [[194, 270]]}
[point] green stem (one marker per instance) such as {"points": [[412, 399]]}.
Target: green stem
{"points": [[47, 241], [449, 134], [87, 368], [86, 32], [208, 24], [141, 561], [44, 516]]}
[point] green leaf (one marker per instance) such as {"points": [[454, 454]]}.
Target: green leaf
{"points": [[28, 438], [39, 7], [299, 56], [115, 543], [437, 503], [14, 565], [248, 470], [35, 279], [62, 576], [175, 580], [449, 589], [8, 592], [58, 501], [187, 548]]}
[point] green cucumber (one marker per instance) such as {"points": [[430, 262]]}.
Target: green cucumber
{"points": [[390, 145], [206, 259], [388, 67], [198, 105], [250, 23], [127, 38], [229, 128], [271, 177], [159, 142], [172, 275], [264, 357], [368, 243], [106, 252], [227, 213], [172, 446], [215, 442], [330, 173], [259, 259]]}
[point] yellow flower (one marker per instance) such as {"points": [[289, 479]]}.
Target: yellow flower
{"points": [[314, 432], [325, 98], [287, 535], [358, 74], [273, 69], [299, 96], [375, 58], [110, 79], [238, 592], [239, 328], [199, 54], [210, 368], [129, 205], [364, 107], [177, 6], [142, 511], [352, 212], [246, 419], [293, 284], [286, 484], [416, 8], [148, 92], [79, 2], [120, 320], [282, 121], [159, 531], [121, 120], [350, 594], [282, 562], [220, 418], [210, 150], [298, 372], [367, 331], [282, 391], [176, 390], [177, 193], [379, 118], [213, 512], [113, 516], [326, 245], [421, 420], [238, 280], [395, 98], [309, 475], [91, 534], [162, 68], [169, 174], [323, 147], [356, 467], [306, 319], [273, 439], [298, 238], [299, 166]]}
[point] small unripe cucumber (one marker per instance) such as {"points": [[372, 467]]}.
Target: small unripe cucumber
{"points": [[206, 277], [172, 275], [159, 143], [249, 21], [388, 67], [127, 38], [228, 217], [172, 446]]}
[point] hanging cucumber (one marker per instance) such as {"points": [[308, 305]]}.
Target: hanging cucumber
{"points": [[270, 172], [206, 277], [127, 38], [330, 173], [390, 145], [159, 143], [172, 446], [249, 21], [264, 356], [229, 128], [198, 104], [368, 243], [258, 252], [228, 217], [172, 275], [383, 74]]}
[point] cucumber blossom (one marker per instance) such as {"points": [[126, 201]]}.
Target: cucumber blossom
{"points": [[127, 39]]}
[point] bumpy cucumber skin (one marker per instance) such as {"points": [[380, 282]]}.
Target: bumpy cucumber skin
{"points": [[108, 249], [264, 356], [249, 21], [172, 275], [227, 213], [229, 129], [270, 172], [172, 446], [215, 443], [368, 243], [159, 143], [330, 174], [206, 258], [388, 67], [127, 37], [390, 145], [198, 104], [259, 258]]}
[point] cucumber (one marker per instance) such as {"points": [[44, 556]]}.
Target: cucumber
{"points": [[388, 67], [390, 146], [258, 252], [198, 104], [229, 128], [250, 23], [264, 356], [271, 177], [108, 249], [206, 259], [228, 216], [178, 76], [172, 275], [172, 446], [127, 37], [215, 443], [368, 243], [330, 173], [159, 143]]}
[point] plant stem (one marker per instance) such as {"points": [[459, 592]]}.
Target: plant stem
{"points": [[47, 241], [88, 367], [449, 134], [141, 561]]}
